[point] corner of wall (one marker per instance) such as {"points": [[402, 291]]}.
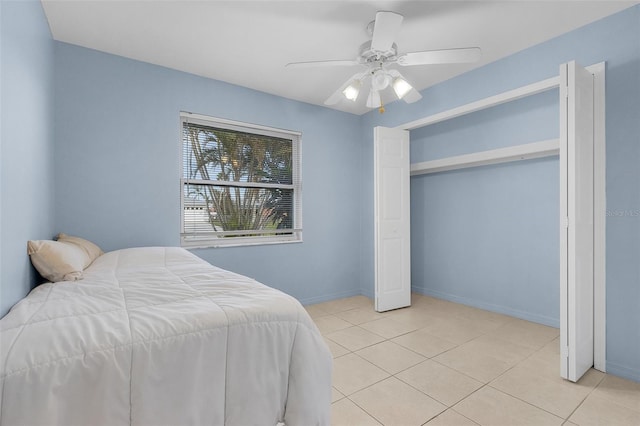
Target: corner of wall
{"points": [[27, 114]]}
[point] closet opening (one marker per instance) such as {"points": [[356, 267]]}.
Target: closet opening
{"points": [[550, 162]]}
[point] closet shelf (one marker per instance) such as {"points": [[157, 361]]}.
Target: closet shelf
{"points": [[528, 151]]}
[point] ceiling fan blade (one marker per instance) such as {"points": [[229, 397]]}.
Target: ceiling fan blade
{"points": [[337, 95], [385, 30], [334, 63], [412, 95], [445, 56]]}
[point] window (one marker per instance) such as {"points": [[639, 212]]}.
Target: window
{"points": [[240, 183]]}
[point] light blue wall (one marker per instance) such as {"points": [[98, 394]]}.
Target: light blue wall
{"points": [[489, 236], [26, 156], [117, 180], [461, 220]]}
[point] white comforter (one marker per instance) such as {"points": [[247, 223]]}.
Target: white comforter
{"points": [[157, 336]]}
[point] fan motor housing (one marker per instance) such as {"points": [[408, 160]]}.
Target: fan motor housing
{"points": [[368, 56]]}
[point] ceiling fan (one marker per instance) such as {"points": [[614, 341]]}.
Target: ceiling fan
{"points": [[380, 52]]}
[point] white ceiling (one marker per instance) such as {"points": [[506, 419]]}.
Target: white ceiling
{"points": [[248, 43]]}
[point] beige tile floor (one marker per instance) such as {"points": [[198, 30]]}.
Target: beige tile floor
{"points": [[441, 363]]}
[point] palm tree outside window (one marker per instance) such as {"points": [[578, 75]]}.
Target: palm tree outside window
{"points": [[240, 183]]}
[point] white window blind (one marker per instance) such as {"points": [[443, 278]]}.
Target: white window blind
{"points": [[240, 183]]}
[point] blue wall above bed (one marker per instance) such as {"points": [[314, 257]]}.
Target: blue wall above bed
{"points": [[118, 150], [26, 153]]}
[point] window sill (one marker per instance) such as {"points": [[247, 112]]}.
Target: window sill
{"points": [[220, 244]]}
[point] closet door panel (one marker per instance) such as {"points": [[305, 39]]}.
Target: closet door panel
{"points": [[392, 220], [576, 171]]}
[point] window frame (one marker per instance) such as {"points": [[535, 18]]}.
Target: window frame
{"points": [[187, 240]]}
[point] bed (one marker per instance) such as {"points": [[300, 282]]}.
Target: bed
{"points": [[157, 336]]}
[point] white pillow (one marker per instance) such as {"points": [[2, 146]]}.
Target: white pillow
{"points": [[58, 260], [92, 250]]}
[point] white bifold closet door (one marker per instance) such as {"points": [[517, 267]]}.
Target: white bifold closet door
{"points": [[576, 218], [392, 220]]}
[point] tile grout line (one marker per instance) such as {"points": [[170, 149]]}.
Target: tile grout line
{"points": [[380, 421], [363, 409], [526, 402], [530, 403], [604, 375]]}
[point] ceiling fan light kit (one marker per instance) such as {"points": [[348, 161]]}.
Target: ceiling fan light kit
{"points": [[380, 52], [401, 87], [352, 91], [380, 79], [373, 100]]}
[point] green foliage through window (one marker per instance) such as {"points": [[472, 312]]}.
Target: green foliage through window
{"points": [[237, 183]]}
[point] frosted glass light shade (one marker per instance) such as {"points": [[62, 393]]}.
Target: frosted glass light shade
{"points": [[373, 101], [380, 80], [401, 87], [352, 91]]}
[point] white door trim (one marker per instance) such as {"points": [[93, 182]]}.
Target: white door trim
{"points": [[599, 218]]}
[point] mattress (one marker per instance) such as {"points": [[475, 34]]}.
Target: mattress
{"points": [[157, 336]]}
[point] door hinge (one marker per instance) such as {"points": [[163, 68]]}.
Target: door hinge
{"points": [[564, 92], [566, 222], [564, 351]]}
